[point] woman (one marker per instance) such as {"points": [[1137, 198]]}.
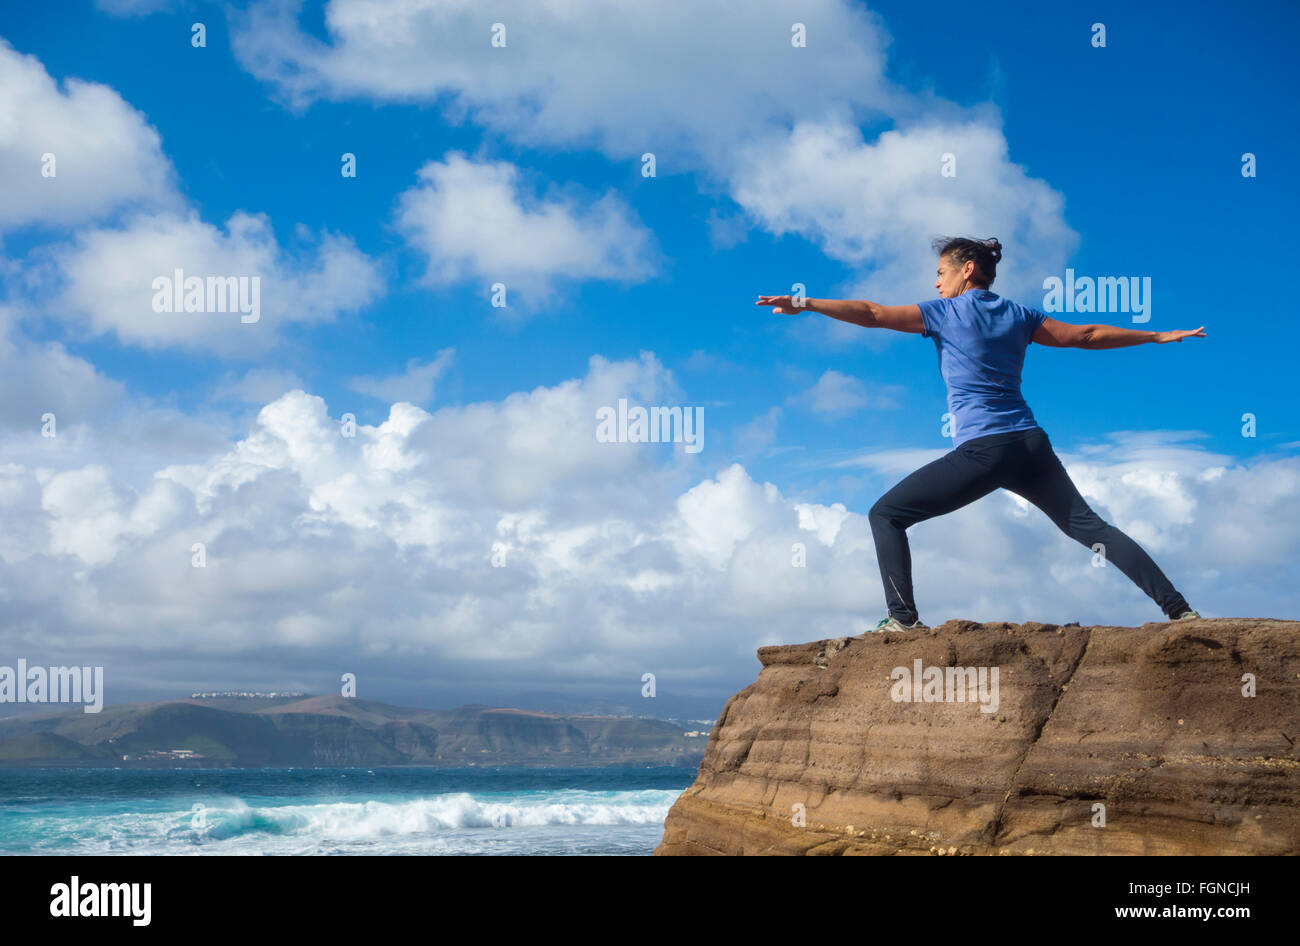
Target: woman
{"points": [[981, 340]]}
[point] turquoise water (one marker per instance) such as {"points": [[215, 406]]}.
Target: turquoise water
{"points": [[336, 811]]}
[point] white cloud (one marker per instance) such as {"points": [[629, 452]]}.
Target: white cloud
{"points": [[876, 205], [823, 520], [687, 83], [106, 276], [474, 222], [414, 384], [716, 515], [89, 515], [620, 557], [704, 87], [106, 156], [895, 461], [257, 385], [37, 378], [101, 279]]}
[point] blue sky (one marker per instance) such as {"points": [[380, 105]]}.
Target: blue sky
{"points": [[771, 170]]}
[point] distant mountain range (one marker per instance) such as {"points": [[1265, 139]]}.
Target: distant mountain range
{"points": [[340, 731]]}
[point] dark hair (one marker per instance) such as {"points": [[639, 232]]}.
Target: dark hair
{"points": [[986, 254]]}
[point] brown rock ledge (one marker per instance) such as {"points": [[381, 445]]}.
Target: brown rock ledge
{"points": [[1149, 721]]}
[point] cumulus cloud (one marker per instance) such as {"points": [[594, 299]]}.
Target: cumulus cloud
{"points": [[39, 378], [876, 205], [105, 154], [326, 552], [105, 279], [704, 87], [687, 83], [473, 221]]}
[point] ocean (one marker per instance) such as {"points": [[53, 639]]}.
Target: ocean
{"points": [[380, 810]]}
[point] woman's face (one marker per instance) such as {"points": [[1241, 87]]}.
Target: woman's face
{"points": [[952, 279]]}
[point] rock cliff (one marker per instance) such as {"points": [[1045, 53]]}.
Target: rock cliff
{"points": [[1009, 739]]}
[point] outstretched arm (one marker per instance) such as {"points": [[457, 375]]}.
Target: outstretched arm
{"points": [[901, 318], [1094, 337]]}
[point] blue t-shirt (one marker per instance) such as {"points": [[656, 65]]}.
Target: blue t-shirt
{"points": [[981, 340]]}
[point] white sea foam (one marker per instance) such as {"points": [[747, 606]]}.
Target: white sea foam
{"points": [[552, 822]]}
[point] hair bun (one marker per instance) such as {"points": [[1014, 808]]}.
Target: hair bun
{"points": [[985, 254]]}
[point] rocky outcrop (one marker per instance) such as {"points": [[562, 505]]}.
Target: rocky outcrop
{"points": [[1086, 740]]}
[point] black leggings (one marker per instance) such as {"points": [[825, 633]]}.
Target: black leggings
{"points": [[1022, 461]]}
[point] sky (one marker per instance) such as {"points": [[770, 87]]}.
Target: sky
{"points": [[183, 503]]}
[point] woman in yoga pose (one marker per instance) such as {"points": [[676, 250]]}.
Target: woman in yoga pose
{"points": [[981, 339]]}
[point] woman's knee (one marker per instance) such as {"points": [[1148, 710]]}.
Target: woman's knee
{"points": [[1087, 528], [882, 513]]}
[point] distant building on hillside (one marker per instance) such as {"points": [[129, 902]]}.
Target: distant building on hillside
{"points": [[248, 695]]}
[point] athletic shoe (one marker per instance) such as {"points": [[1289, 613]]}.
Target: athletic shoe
{"points": [[1187, 616], [893, 624]]}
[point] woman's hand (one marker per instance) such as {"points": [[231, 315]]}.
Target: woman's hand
{"points": [[1179, 334], [785, 305]]}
